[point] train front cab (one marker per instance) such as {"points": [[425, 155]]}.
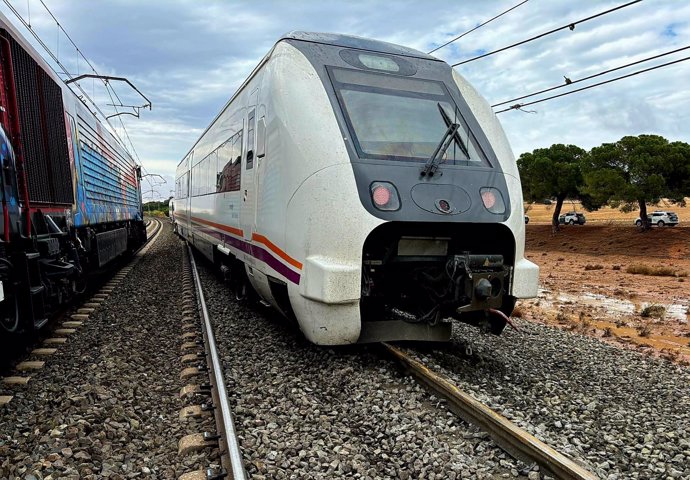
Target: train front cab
{"points": [[451, 244]]}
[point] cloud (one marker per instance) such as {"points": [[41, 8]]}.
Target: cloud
{"points": [[189, 57]]}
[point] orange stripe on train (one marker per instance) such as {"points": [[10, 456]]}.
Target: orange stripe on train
{"points": [[255, 237], [220, 226], [261, 239]]}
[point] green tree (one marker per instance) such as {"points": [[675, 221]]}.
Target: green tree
{"points": [[636, 171], [552, 172]]}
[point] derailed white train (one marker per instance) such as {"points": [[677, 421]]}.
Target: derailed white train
{"points": [[362, 188]]}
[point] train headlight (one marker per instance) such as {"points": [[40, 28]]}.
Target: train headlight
{"points": [[385, 196], [492, 200]]}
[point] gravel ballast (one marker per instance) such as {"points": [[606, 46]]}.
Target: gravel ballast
{"points": [[624, 414], [304, 411], [106, 405]]}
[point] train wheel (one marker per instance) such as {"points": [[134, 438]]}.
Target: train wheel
{"points": [[9, 314]]}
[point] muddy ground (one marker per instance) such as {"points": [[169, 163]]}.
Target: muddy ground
{"points": [[616, 282]]}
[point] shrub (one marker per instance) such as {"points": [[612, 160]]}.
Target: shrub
{"points": [[594, 267], [638, 269], [656, 311], [644, 331]]}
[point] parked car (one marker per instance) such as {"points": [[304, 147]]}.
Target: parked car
{"points": [[526, 219], [572, 218], [659, 218]]}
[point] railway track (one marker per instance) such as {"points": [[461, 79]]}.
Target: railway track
{"points": [[66, 324], [511, 438]]}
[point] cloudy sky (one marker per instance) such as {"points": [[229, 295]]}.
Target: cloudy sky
{"points": [[189, 57]]}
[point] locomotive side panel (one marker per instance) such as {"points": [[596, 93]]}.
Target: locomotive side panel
{"points": [[108, 188], [71, 192], [42, 126]]}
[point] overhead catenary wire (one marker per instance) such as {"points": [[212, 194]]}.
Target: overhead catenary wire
{"points": [[27, 25], [521, 105], [478, 26], [570, 26], [108, 86], [589, 77]]}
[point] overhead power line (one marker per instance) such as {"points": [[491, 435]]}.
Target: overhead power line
{"points": [[521, 105], [108, 86], [570, 26], [478, 26], [589, 77], [56, 59]]}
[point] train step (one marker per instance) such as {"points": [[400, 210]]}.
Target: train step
{"points": [[36, 290], [40, 323]]}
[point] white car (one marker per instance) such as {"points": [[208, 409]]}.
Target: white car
{"points": [[572, 218], [660, 218]]}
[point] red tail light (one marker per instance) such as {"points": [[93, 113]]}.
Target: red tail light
{"points": [[381, 196], [492, 200], [489, 199], [384, 196]]}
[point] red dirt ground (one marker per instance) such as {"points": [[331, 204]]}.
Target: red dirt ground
{"points": [[585, 286]]}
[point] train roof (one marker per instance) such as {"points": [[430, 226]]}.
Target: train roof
{"points": [[360, 43], [335, 39]]}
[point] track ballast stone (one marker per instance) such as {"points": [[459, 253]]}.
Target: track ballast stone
{"points": [[624, 414], [106, 405], [305, 411]]}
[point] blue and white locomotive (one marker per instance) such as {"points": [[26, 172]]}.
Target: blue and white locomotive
{"points": [[364, 189], [71, 194]]}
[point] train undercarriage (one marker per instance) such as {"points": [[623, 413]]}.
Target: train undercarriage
{"points": [[40, 274], [459, 271]]}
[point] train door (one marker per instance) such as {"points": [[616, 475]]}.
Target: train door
{"points": [[248, 175], [183, 198], [259, 166]]}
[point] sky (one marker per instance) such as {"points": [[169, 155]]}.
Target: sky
{"points": [[189, 57]]}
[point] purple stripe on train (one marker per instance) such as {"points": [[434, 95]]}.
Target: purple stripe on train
{"points": [[254, 250]]}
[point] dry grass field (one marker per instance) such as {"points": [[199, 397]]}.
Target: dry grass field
{"points": [[539, 213]]}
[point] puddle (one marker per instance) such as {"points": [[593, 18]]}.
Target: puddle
{"points": [[604, 308], [612, 306]]}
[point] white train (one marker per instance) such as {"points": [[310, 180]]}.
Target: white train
{"points": [[362, 188]]}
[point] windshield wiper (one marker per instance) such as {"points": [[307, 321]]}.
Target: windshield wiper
{"points": [[456, 136], [435, 159]]}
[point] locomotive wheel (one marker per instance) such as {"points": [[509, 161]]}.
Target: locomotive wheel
{"points": [[9, 314]]}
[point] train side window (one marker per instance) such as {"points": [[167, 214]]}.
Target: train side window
{"points": [[229, 164], [250, 140], [196, 170], [236, 170], [211, 170]]}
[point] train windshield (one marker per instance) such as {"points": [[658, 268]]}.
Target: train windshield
{"points": [[402, 118]]}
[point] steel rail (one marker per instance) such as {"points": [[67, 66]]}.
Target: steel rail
{"points": [[506, 434], [227, 432]]}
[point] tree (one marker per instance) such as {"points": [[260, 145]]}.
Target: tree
{"points": [[637, 170], [552, 172]]}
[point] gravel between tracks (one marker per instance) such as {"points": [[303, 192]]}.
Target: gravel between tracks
{"points": [[304, 411], [625, 414], [106, 404]]}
